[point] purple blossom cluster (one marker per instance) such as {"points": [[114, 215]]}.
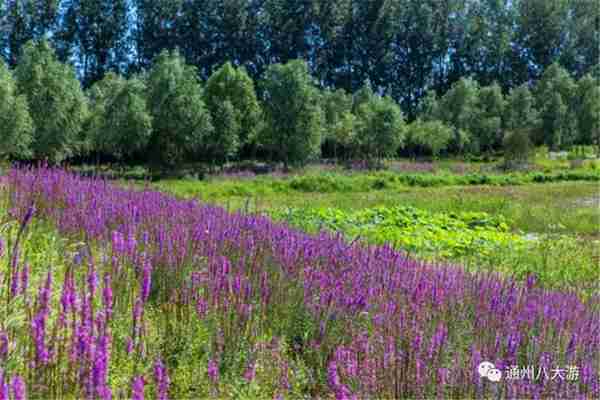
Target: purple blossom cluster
{"points": [[382, 324]]}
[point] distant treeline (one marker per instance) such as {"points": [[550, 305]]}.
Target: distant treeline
{"points": [[166, 115], [403, 47]]}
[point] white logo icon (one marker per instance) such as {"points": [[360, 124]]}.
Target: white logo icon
{"points": [[488, 370]]}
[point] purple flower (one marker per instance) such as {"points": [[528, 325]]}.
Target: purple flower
{"points": [[2, 245], [333, 377], [250, 372], [213, 371], [3, 345], [137, 388], [162, 380], [25, 278], [18, 388], [146, 280]]}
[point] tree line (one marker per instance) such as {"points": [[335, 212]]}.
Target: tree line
{"points": [[403, 47], [167, 115]]}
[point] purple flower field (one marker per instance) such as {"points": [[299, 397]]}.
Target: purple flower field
{"points": [[332, 319]]}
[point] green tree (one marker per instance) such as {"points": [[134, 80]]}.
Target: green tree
{"points": [[588, 110], [120, 123], [517, 148], [486, 127], [95, 30], [458, 109], [15, 123], [380, 128], [432, 136], [520, 112], [230, 94], [180, 118], [555, 90], [294, 120], [554, 117], [339, 120], [56, 102]]}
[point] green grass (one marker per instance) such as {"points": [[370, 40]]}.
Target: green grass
{"points": [[555, 207]]}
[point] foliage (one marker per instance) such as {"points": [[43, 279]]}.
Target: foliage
{"points": [[458, 108], [486, 127], [181, 121], [517, 147], [433, 135], [120, 123], [555, 99], [57, 104], [15, 121], [293, 116], [380, 126], [231, 99], [172, 298], [588, 109]]}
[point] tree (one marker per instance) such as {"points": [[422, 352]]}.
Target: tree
{"points": [[230, 94], [517, 147], [294, 120], [432, 136], [588, 110], [458, 109], [96, 31], [180, 118], [554, 91], [520, 111], [380, 127], [554, 119], [429, 107], [56, 102], [15, 123], [339, 120], [120, 123], [486, 126]]}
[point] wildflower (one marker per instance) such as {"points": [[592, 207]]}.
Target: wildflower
{"points": [[146, 280], [250, 372], [137, 388], [162, 380], [213, 371], [18, 388]]}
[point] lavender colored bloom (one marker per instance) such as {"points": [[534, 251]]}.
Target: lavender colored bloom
{"points": [[213, 371], [146, 280], [4, 388], [18, 388], [25, 278], [333, 377], [2, 245], [250, 372], [137, 388], [3, 345], [162, 380]]}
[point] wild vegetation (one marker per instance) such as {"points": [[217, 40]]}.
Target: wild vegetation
{"points": [[299, 199], [147, 295]]}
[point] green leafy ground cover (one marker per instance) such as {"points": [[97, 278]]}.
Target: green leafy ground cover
{"points": [[476, 239]]}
